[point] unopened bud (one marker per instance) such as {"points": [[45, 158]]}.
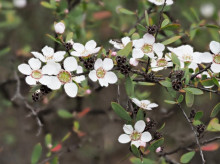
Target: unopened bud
{"points": [[59, 28], [133, 62]]}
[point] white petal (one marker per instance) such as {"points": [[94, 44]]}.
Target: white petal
{"points": [[34, 63], [133, 62], [75, 53], [137, 53], [39, 56], [48, 51], [111, 77], [51, 68], [128, 129], [138, 43], [90, 45], [197, 57], [147, 102], [108, 64], [54, 83], [215, 68], [103, 82], [139, 126], [146, 137], [78, 47], [193, 66], [31, 81], [94, 51], [71, 89], [44, 80], [98, 63], [59, 55], [206, 57], [92, 75], [136, 101], [25, 69], [136, 143], [124, 138], [153, 105], [149, 39], [214, 47], [158, 49], [169, 2], [150, 55], [70, 64], [125, 40]]}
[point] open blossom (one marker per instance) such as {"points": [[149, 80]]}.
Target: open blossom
{"points": [[59, 28], [122, 44], [64, 77], [161, 2], [215, 58], [144, 104], [136, 136], [161, 62], [33, 72], [147, 46], [50, 57], [84, 51], [102, 72]]}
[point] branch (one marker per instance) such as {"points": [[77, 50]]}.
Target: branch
{"points": [[201, 71]]}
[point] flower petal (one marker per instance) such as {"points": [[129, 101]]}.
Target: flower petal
{"points": [[92, 75], [139, 43], [90, 45], [34, 63], [98, 63], [139, 126], [125, 40], [48, 51], [31, 81], [147, 102], [128, 129], [152, 105], [124, 138], [103, 82], [78, 47], [214, 47], [54, 83], [70, 64], [111, 77], [137, 53], [51, 68], [136, 101], [75, 53], [71, 89], [59, 55], [25, 69], [39, 56], [136, 143], [146, 137], [215, 68], [44, 80], [158, 49], [206, 57], [149, 39], [108, 64]]}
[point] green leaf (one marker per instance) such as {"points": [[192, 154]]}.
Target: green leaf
{"points": [[126, 11], [175, 59], [135, 151], [69, 36], [47, 5], [216, 110], [48, 140], [187, 157], [171, 27], [4, 51], [64, 114], [180, 99], [170, 102], [125, 51], [36, 154], [195, 14], [196, 122], [165, 22], [140, 115], [212, 26], [189, 99], [156, 144], [66, 136], [53, 38], [194, 91], [171, 40], [135, 36], [166, 83], [172, 92], [213, 125], [161, 128], [147, 18], [129, 87], [215, 81], [207, 82], [143, 161], [141, 27], [145, 83], [120, 111], [198, 115]]}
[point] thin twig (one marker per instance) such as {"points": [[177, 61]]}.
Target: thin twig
{"points": [[201, 71]]}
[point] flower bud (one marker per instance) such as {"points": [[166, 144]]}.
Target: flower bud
{"points": [[114, 53], [59, 28], [133, 62], [20, 3], [158, 150]]}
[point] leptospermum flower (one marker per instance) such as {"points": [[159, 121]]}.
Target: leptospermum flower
{"points": [[64, 77], [50, 57], [144, 104], [102, 72], [147, 46], [122, 44], [215, 58], [161, 2], [136, 136], [33, 72], [161, 62], [84, 51], [59, 27]]}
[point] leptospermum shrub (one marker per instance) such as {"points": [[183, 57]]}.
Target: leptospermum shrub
{"points": [[151, 53]]}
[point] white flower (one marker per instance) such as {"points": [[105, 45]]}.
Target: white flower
{"points": [[33, 72], [186, 54], [50, 57], [215, 58], [59, 28], [20, 3], [136, 136], [84, 51], [122, 44], [161, 63], [147, 46], [161, 2], [102, 72], [207, 10], [133, 62], [64, 77], [144, 104], [80, 78]]}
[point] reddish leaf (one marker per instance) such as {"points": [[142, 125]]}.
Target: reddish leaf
{"points": [[102, 15], [210, 147], [56, 148], [83, 113]]}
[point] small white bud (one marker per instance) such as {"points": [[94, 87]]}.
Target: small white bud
{"points": [[59, 28], [20, 3], [133, 62]]}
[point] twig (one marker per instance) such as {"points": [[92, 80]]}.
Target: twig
{"points": [[201, 71]]}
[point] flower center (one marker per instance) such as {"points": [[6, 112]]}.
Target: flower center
{"points": [[161, 62], [216, 59], [143, 105], [135, 136], [147, 48], [100, 72], [49, 57], [64, 76], [36, 74], [187, 58]]}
